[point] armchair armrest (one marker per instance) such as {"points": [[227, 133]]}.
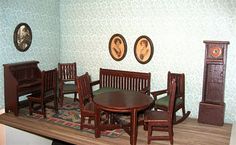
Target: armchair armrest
{"points": [[156, 93], [145, 90], [93, 83]]}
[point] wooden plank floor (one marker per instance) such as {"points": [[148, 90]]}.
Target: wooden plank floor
{"points": [[187, 133]]}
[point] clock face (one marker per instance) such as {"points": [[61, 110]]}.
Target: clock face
{"points": [[215, 52]]}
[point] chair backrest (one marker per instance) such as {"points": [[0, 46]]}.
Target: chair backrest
{"points": [[49, 82], [172, 91], [180, 83], [84, 89], [126, 80], [67, 71]]}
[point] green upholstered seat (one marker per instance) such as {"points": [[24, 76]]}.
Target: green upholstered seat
{"points": [[104, 90], [69, 88], [164, 101]]}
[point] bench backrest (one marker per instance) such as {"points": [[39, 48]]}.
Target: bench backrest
{"points": [[126, 80]]}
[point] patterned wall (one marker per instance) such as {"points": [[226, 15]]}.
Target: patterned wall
{"points": [[43, 18], [177, 29]]}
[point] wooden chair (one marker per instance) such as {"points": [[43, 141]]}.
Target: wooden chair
{"points": [[47, 93], [163, 102], [85, 100], [67, 80], [161, 120]]}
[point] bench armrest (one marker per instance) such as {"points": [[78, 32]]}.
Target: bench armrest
{"points": [[93, 83], [156, 93]]}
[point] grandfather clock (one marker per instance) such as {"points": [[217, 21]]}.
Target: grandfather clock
{"points": [[212, 106]]}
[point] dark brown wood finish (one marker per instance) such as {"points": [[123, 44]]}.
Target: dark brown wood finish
{"points": [[211, 108], [20, 79], [119, 102], [162, 120], [47, 93], [85, 101], [67, 73], [163, 103], [125, 80]]}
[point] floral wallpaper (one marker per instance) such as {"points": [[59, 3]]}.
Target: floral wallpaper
{"points": [[43, 18], [176, 28], [79, 31]]}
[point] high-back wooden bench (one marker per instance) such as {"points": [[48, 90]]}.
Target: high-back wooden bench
{"points": [[112, 80]]}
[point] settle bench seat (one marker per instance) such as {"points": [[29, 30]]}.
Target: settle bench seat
{"points": [[113, 80]]}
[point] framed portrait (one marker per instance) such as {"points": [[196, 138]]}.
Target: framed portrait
{"points": [[22, 37], [143, 49], [117, 47]]}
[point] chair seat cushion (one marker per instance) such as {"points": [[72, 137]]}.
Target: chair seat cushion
{"points": [[104, 90], [156, 116], [69, 88], [164, 101]]}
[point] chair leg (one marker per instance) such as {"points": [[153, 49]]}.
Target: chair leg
{"points": [[30, 108], [82, 122], [183, 109], [55, 104], [149, 133], [170, 130], [145, 126], [43, 110], [75, 95], [61, 96], [174, 117]]}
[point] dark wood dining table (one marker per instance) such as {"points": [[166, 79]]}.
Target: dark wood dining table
{"points": [[121, 102]]}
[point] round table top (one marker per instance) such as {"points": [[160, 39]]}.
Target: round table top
{"points": [[122, 101]]}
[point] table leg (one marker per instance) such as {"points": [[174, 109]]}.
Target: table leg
{"points": [[97, 122], [134, 127]]}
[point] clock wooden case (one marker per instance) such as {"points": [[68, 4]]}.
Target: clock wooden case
{"points": [[212, 106]]}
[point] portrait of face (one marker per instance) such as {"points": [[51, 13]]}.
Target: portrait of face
{"points": [[22, 37], [117, 47], [143, 49]]}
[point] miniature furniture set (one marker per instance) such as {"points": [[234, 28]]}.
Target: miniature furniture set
{"points": [[119, 92]]}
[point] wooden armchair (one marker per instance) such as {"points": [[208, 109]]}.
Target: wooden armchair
{"points": [[85, 100], [48, 93], [67, 80], [163, 103], [161, 120], [87, 106]]}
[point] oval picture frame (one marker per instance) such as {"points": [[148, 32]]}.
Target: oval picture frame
{"points": [[117, 47], [143, 49], [22, 37]]}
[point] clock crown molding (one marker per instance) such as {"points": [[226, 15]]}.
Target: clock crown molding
{"points": [[216, 42]]}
